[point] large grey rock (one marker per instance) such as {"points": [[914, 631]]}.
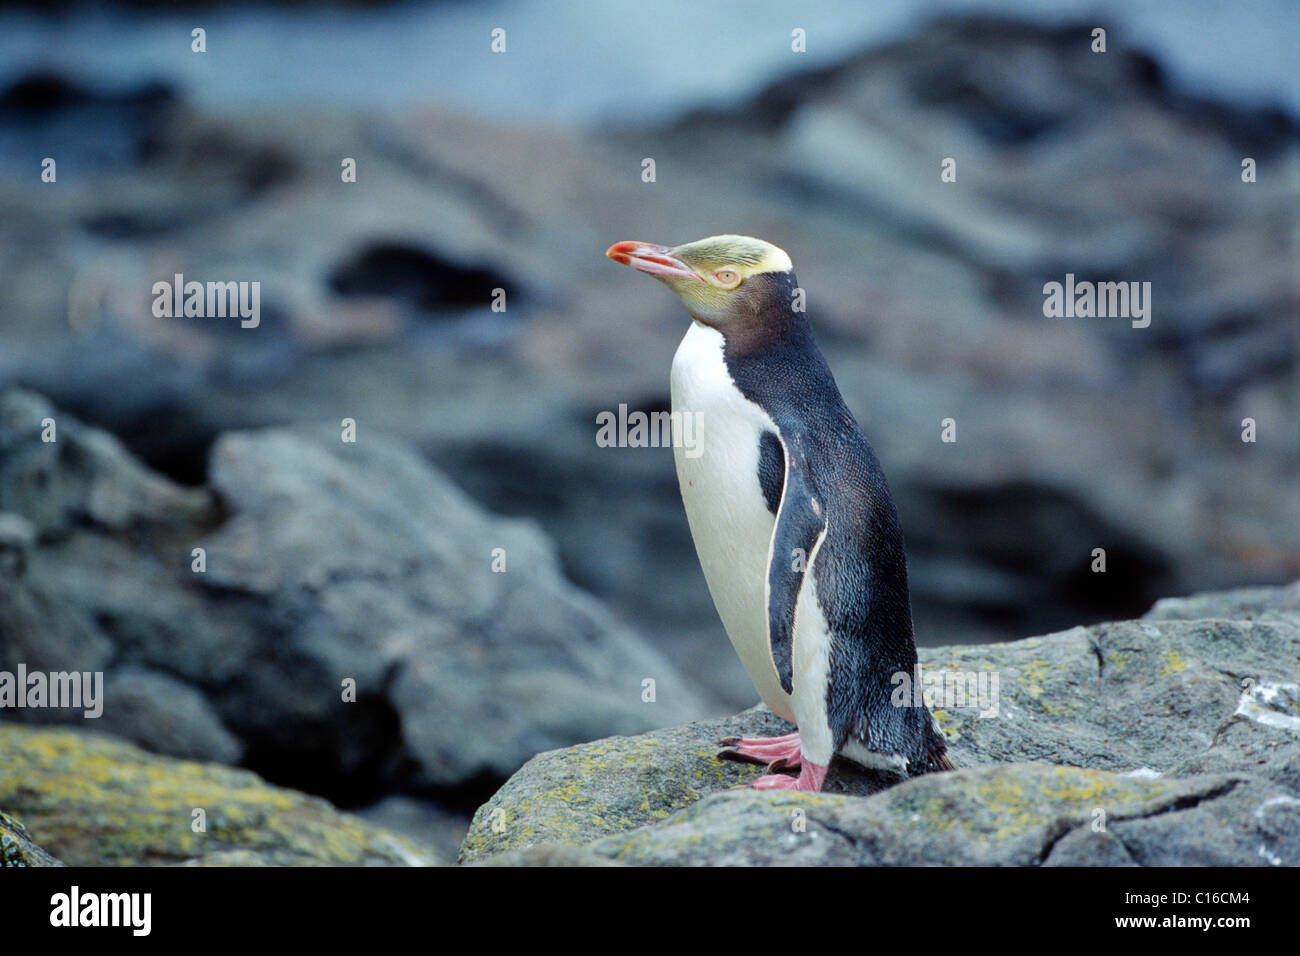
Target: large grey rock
{"points": [[381, 570], [1123, 696], [1240, 604], [326, 562], [1004, 815], [579, 794], [1151, 742], [165, 715]]}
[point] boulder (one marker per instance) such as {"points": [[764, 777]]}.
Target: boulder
{"points": [[577, 795], [1024, 814], [323, 563], [1173, 739], [95, 800], [166, 715]]}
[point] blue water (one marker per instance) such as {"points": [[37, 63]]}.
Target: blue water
{"points": [[586, 59]]}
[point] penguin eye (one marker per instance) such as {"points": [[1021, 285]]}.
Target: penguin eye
{"points": [[727, 277]]}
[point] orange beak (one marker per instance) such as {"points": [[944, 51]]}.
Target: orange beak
{"points": [[651, 259]]}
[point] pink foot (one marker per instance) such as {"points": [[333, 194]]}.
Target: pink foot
{"points": [[810, 778], [782, 751]]}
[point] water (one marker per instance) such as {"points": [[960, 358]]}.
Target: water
{"points": [[590, 59]]}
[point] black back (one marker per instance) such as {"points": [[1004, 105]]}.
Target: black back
{"points": [[861, 568]]}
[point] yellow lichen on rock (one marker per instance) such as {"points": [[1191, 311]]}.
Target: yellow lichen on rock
{"points": [[96, 800]]}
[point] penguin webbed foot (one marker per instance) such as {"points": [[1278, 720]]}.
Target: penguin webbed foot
{"points": [[773, 752], [810, 778]]}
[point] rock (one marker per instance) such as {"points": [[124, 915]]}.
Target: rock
{"points": [[167, 716], [1241, 604], [59, 475], [1120, 697], [576, 795], [421, 822], [1004, 815], [82, 124], [16, 538], [324, 562], [17, 848], [547, 854], [94, 800], [1223, 822], [1180, 735], [388, 566]]}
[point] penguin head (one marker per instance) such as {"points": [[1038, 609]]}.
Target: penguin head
{"points": [[722, 280]]}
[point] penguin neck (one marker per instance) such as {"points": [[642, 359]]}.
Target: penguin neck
{"points": [[761, 316], [774, 361]]}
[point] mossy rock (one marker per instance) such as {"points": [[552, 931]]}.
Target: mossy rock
{"points": [[92, 799], [579, 794], [17, 847], [1001, 815], [1182, 732]]}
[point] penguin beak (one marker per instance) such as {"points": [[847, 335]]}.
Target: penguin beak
{"points": [[651, 259]]}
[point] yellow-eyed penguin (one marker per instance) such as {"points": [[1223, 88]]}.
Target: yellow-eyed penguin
{"points": [[792, 520]]}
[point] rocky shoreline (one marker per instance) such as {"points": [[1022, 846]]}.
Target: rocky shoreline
{"points": [[1172, 740], [321, 563], [1071, 432]]}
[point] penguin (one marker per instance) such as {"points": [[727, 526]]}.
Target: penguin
{"points": [[793, 522]]}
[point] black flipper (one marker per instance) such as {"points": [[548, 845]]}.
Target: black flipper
{"points": [[771, 470], [799, 522]]}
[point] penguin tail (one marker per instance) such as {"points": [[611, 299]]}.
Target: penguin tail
{"points": [[936, 752], [940, 761]]}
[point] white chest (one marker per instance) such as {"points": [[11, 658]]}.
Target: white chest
{"points": [[728, 517]]}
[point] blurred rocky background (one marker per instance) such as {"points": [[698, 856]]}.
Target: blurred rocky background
{"points": [[476, 429]]}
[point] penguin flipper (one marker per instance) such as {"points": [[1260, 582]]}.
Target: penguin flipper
{"points": [[799, 525]]}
